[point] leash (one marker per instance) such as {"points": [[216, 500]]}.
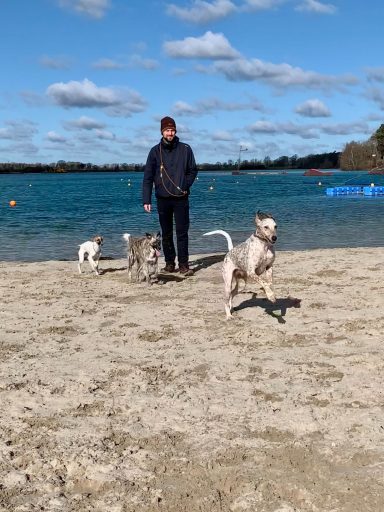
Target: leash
{"points": [[163, 169]]}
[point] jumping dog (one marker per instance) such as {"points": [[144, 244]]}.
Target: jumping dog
{"points": [[250, 260]]}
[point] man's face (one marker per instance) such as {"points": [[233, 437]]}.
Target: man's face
{"points": [[169, 134]]}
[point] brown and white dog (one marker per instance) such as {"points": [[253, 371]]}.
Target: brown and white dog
{"points": [[250, 260], [144, 252], [92, 251]]}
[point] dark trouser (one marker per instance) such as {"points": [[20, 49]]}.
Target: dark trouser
{"points": [[177, 208]]}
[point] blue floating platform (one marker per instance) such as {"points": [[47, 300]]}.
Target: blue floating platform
{"points": [[355, 190], [373, 191]]}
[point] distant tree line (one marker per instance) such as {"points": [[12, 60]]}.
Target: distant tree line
{"points": [[319, 161], [63, 166], [364, 155], [368, 154]]}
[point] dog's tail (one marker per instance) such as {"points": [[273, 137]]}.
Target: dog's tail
{"points": [[224, 233], [127, 237]]}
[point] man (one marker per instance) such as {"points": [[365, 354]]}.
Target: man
{"points": [[172, 169]]}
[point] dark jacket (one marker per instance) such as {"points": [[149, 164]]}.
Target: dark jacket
{"points": [[177, 175]]}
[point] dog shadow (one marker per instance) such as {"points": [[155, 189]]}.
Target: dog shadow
{"points": [[206, 261], [281, 306], [168, 278], [111, 270]]}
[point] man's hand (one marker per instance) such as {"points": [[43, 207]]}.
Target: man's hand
{"points": [[147, 208]]}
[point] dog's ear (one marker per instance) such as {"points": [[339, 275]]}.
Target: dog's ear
{"points": [[261, 216], [148, 235], [158, 234]]}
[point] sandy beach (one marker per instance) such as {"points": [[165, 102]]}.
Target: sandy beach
{"points": [[118, 397]]}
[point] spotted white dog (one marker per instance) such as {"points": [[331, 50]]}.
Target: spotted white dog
{"points": [[250, 260], [91, 249]]}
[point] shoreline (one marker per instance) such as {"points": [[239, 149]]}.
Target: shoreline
{"points": [[122, 397], [195, 256]]}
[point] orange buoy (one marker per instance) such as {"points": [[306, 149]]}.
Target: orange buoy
{"points": [[12, 203]]}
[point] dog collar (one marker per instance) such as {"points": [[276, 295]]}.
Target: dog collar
{"points": [[265, 239]]}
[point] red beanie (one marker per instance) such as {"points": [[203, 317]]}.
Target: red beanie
{"points": [[167, 122]]}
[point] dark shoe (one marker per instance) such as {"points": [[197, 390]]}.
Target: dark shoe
{"points": [[185, 270], [169, 267]]}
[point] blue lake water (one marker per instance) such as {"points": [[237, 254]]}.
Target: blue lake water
{"points": [[56, 212]]}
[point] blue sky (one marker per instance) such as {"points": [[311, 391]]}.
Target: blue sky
{"points": [[89, 80]]}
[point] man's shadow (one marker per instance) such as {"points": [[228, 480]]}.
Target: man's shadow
{"points": [[281, 306], [168, 278]]}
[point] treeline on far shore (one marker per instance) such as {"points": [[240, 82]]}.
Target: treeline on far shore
{"points": [[318, 161], [63, 167], [355, 156]]}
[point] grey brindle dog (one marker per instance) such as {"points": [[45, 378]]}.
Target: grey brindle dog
{"points": [[144, 252], [250, 260]]}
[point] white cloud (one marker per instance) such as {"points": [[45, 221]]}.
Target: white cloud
{"points": [[305, 132], [269, 128], [265, 127], [137, 61], [377, 95], [201, 11], [375, 74], [313, 108], [82, 94], [54, 62], [262, 5], [131, 103], [85, 94], [212, 105], [89, 138], [107, 64], [222, 135], [18, 130], [278, 75], [104, 135], [84, 123], [208, 46], [23, 149], [92, 8], [52, 136], [346, 128], [181, 108], [316, 7]]}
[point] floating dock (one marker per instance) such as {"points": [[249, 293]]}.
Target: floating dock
{"points": [[355, 190]]}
